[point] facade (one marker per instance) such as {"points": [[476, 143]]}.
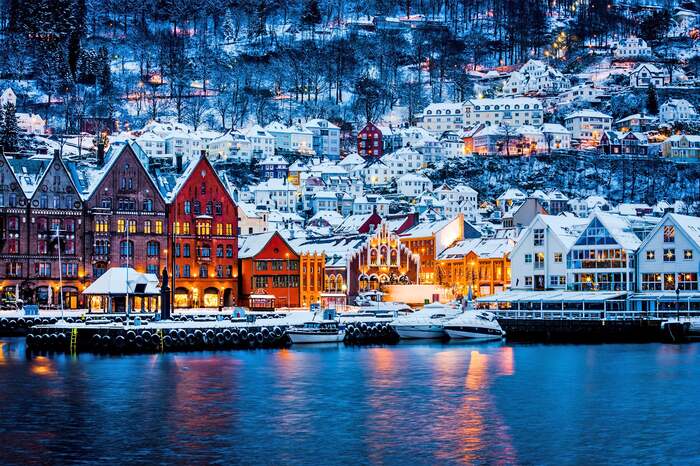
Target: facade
{"points": [[268, 266], [581, 93], [514, 111], [126, 222], [413, 185], [326, 138], [43, 219], [538, 260], [440, 117], [262, 143], [588, 126], [674, 110], [646, 73], [274, 166], [205, 240], [535, 78], [482, 264], [428, 240], [631, 47], [603, 256], [685, 148], [556, 137], [369, 141], [625, 144], [312, 278], [669, 257]]}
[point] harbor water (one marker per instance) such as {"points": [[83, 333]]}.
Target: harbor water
{"points": [[424, 403]]}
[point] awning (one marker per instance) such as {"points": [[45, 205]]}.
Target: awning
{"points": [[554, 296], [667, 296]]}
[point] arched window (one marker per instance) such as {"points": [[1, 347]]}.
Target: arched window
{"points": [[219, 251], [339, 282], [373, 257], [197, 208], [188, 207]]}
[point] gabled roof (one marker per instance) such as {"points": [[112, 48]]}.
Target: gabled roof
{"points": [[619, 228], [95, 178], [689, 225], [29, 172], [251, 245]]}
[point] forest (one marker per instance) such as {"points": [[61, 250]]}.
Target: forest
{"points": [[226, 63]]}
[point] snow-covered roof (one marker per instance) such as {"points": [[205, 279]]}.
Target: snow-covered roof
{"points": [[554, 128], [426, 229], [512, 193], [118, 280], [320, 123], [620, 229], [251, 245], [587, 113]]}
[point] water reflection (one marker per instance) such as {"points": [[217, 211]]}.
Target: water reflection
{"points": [[403, 404]]}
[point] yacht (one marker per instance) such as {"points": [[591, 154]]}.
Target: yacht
{"points": [[474, 325], [317, 331], [426, 323]]}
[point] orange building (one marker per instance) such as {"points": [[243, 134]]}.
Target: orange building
{"points": [[311, 279], [268, 266], [429, 239], [483, 264]]}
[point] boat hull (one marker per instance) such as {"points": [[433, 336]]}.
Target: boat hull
{"points": [[420, 332], [307, 338], [472, 334]]}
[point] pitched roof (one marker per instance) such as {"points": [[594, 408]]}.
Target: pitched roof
{"points": [[251, 245]]}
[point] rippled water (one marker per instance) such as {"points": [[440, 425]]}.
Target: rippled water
{"points": [[404, 404]]}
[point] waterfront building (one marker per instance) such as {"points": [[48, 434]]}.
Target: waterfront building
{"points": [[538, 260], [669, 257], [604, 255], [429, 239], [268, 266], [482, 264], [43, 219], [126, 223], [204, 222]]}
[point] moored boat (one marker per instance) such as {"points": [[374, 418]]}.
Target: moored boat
{"points": [[317, 331], [428, 323]]}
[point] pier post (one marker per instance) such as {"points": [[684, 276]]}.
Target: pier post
{"points": [[165, 296]]}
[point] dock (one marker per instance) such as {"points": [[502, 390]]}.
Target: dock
{"points": [[114, 335]]}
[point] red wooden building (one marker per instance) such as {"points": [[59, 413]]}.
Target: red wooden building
{"points": [[204, 219], [268, 266], [369, 141]]}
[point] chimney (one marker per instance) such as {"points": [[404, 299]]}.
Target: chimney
{"points": [[178, 163], [100, 153]]}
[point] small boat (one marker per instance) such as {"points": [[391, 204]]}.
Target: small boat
{"points": [[474, 325], [317, 331], [428, 323]]}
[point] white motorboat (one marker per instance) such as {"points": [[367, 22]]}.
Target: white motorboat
{"points": [[428, 323], [474, 325], [317, 331]]}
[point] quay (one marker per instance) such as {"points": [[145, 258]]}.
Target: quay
{"points": [[113, 335], [592, 317]]}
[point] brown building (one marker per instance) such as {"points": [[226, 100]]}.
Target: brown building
{"points": [[43, 232], [125, 217], [428, 239]]}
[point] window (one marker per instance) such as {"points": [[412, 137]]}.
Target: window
{"points": [[260, 265], [219, 229], [557, 280], [688, 254], [669, 282], [203, 189], [209, 208], [197, 208], [152, 268], [153, 249], [148, 205], [229, 229], [69, 270], [42, 246], [558, 257], [121, 228], [651, 282], [219, 251], [106, 203], [688, 281], [229, 251], [69, 247], [528, 258], [13, 269], [188, 207], [132, 226], [147, 227], [69, 225], [528, 281], [44, 201], [539, 260], [101, 248], [101, 226], [43, 269], [538, 237], [186, 271], [217, 208], [126, 249], [669, 255], [259, 282], [186, 228], [203, 271], [186, 250], [669, 234], [159, 227], [651, 255]]}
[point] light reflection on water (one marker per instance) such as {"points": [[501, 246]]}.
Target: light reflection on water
{"points": [[421, 403]]}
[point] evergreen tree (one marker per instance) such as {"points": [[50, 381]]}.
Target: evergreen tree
{"points": [[228, 27], [652, 100], [10, 133], [311, 15]]}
